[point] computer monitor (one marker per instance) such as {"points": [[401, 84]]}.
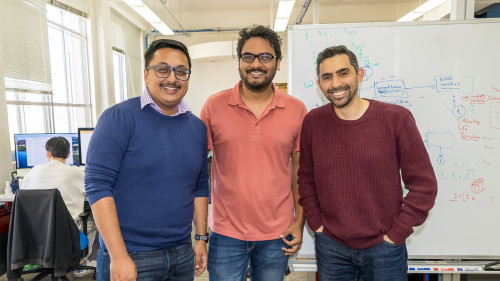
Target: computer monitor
{"points": [[84, 135], [30, 149]]}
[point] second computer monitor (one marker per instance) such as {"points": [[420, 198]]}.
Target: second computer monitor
{"points": [[84, 135]]}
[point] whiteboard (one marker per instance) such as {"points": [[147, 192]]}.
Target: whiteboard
{"points": [[447, 74]]}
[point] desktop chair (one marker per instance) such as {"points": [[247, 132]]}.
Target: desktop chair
{"points": [[42, 232]]}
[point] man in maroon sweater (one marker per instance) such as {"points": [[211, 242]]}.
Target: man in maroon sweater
{"points": [[353, 154]]}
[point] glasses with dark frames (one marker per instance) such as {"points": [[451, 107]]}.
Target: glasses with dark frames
{"points": [[163, 71], [263, 57]]}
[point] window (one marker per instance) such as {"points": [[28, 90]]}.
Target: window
{"points": [[127, 53], [71, 106], [119, 75], [57, 98]]}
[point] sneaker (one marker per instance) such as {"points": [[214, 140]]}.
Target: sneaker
{"points": [[82, 272]]}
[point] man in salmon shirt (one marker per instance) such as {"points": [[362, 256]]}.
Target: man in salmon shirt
{"points": [[254, 131]]}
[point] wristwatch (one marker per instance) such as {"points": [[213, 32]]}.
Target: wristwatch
{"points": [[201, 237]]}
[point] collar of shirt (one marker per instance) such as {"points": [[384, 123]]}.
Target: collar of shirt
{"points": [[146, 99]]}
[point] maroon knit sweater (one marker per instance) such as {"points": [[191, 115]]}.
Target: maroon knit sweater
{"points": [[350, 180]]}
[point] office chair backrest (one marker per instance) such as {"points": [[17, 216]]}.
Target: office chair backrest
{"points": [[43, 232]]}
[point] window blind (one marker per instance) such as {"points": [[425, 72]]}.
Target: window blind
{"points": [[25, 52]]}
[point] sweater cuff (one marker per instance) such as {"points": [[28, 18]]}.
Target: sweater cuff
{"points": [[398, 235], [314, 224]]}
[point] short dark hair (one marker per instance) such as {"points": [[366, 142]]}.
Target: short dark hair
{"points": [[336, 50], [165, 43], [58, 147], [262, 32]]}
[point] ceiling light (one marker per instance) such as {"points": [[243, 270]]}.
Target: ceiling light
{"points": [[422, 9], [162, 28], [145, 12], [285, 8], [280, 24]]}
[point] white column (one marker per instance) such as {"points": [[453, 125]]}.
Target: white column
{"points": [[5, 141], [470, 9], [457, 10], [462, 9], [271, 15], [315, 11], [101, 54]]}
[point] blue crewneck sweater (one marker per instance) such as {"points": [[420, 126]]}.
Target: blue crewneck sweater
{"points": [[153, 166]]}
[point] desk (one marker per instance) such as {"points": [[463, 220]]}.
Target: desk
{"points": [[6, 198], [10, 198]]}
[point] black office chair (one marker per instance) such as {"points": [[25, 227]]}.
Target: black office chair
{"points": [[42, 232], [84, 216]]}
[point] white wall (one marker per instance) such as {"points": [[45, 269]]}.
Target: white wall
{"points": [[209, 78], [217, 18]]}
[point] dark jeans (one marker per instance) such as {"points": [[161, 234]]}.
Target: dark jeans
{"points": [[228, 259], [174, 264], [382, 262]]}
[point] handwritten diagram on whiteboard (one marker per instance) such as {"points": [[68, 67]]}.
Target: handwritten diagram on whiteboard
{"points": [[447, 76]]}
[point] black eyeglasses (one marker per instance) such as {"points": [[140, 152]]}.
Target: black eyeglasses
{"points": [[263, 57], [163, 71]]}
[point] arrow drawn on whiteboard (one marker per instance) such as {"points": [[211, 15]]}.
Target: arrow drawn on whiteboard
{"points": [[421, 87]]}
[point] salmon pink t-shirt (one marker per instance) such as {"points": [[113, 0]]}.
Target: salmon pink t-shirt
{"points": [[252, 197]]}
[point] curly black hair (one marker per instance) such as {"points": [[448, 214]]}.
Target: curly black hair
{"points": [[262, 32]]}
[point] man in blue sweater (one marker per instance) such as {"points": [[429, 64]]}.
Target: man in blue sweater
{"points": [[146, 175]]}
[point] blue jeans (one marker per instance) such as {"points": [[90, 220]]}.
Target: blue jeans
{"points": [[228, 259], [176, 263], [382, 262]]}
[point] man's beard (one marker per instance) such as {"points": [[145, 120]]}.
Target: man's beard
{"points": [[257, 86], [343, 102]]}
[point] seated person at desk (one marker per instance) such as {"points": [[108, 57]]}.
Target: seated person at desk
{"points": [[68, 179]]}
